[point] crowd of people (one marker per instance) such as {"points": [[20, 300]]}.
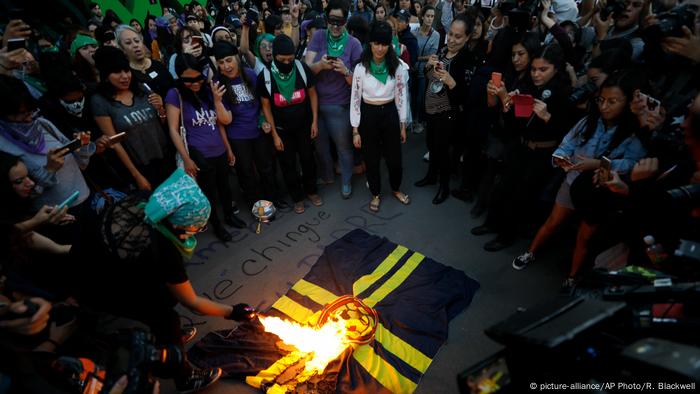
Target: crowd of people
{"points": [[118, 138]]}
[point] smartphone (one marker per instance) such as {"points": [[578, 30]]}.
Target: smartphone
{"points": [[605, 168], [331, 58], [71, 146], [16, 43], [147, 88], [652, 104], [496, 79], [566, 160], [197, 40], [68, 200], [117, 137]]}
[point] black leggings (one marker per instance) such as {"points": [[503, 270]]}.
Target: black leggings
{"points": [[381, 136], [297, 141], [438, 137], [254, 155], [213, 179]]}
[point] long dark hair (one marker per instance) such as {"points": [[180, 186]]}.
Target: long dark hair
{"points": [[178, 38], [627, 122], [391, 58], [184, 62], [554, 55], [107, 90], [20, 206]]}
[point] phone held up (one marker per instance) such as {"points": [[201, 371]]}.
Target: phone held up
{"points": [[604, 173]]}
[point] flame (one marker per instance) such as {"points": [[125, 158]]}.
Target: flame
{"points": [[323, 344]]}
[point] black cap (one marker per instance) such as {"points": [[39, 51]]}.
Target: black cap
{"points": [[282, 45], [224, 49], [402, 15]]}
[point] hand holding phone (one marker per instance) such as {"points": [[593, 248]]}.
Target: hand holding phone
{"points": [[68, 200], [70, 147], [563, 161], [119, 137]]}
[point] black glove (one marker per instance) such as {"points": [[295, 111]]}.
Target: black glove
{"points": [[241, 313]]}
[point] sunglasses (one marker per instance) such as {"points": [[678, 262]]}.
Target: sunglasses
{"points": [[197, 79], [335, 21]]}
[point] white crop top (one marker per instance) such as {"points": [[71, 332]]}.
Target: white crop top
{"points": [[366, 87]]}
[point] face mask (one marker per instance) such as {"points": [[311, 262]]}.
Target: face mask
{"points": [[74, 108], [285, 68]]}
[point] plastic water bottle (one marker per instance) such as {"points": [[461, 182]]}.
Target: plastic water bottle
{"points": [[655, 250]]}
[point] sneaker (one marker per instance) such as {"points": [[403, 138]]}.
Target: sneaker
{"points": [[198, 380], [346, 191], [188, 334], [568, 286], [523, 260]]}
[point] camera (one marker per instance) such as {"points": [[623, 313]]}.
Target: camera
{"points": [[136, 356], [686, 195], [614, 8], [671, 22], [129, 352], [583, 93]]}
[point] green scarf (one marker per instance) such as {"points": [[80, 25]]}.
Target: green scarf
{"points": [[397, 46], [336, 46], [379, 71], [285, 82]]}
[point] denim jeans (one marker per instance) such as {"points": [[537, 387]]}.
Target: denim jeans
{"points": [[334, 124]]}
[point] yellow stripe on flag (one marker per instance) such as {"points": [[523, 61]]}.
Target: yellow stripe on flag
{"points": [[318, 294], [389, 262], [293, 309], [402, 349], [395, 281], [382, 371]]}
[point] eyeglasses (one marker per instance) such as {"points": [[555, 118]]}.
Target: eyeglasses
{"points": [[610, 101], [265, 45]]}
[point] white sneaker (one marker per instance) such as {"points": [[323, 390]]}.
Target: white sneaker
{"points": [[523, 260]]}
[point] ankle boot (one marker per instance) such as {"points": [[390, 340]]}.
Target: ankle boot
{"points": [[442, 195]]}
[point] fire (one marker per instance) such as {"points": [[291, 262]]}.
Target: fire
{"points": [[323, 344]]}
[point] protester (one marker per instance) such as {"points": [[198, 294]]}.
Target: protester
{"points": [[379, 110], [331, 55], [291, 108]]}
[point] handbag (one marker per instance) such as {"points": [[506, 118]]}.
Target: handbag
{"points": [[179, 160]]}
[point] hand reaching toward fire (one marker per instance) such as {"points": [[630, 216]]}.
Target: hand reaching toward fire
{"points": [[242, 313]]}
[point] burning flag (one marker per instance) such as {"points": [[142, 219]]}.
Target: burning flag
{"points": [[358, 278]]}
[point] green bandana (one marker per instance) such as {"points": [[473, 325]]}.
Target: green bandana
{"points": [[379, 71], [397, 46], [285, 82], [336, 46]]}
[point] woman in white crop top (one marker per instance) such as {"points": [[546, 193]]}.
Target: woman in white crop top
{"points": [[378, 109]]}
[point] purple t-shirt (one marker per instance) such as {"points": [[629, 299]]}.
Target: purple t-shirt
{"points": [[202, 131], [330, 84], [245, 110]]}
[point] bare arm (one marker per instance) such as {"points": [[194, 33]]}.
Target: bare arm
{"points": [[245, 47], [185, 294], [173, 115], [105, 124]]}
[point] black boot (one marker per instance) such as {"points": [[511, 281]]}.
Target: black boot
{"points": [[221, 232], [427, 180], [463, 194], [442, 195], [234, 221]]}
